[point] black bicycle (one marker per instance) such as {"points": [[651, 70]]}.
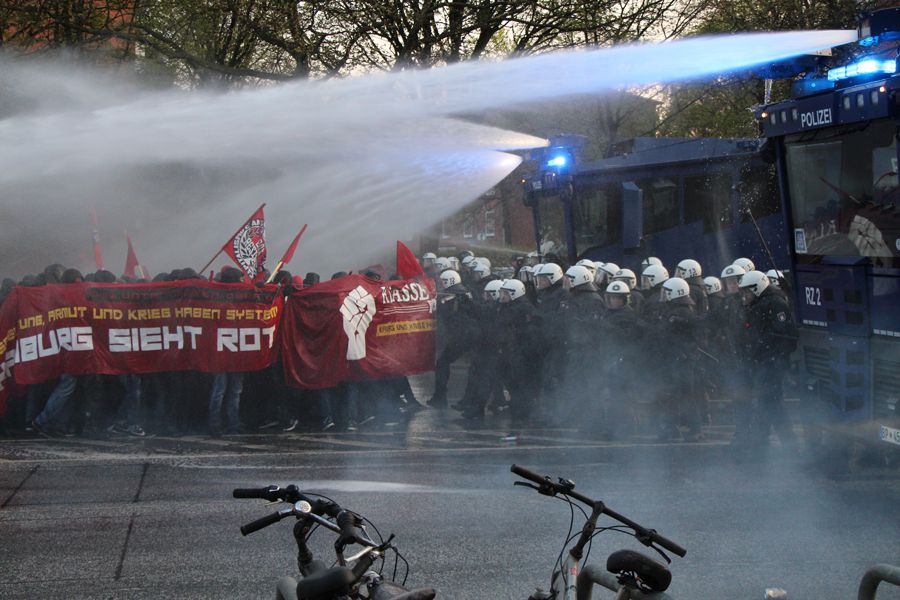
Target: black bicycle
{"points": [[628, 573], [350, 577]]}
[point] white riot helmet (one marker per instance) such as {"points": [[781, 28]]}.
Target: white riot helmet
{"points": [[618, 287], [610, 269], [775, 276], [628, 276], [449, 278], [653, 276], [442, 263], [464, 254], [746, 264], [533, 259], [755, 281], [733, 271], [617, 295], [579, 276], [454, 263], [713, 285], [675, 287], [688, 268], [482, 268], [428, 258], [587, 264], [492, 289], [650, 260], [731, 276], [526, 273], [514, 287], [551, 270], [468, 261]]}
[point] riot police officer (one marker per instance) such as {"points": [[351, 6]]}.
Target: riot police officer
{"points": [[550, 297], [690, 270], [676, 332], [770, 336], [583, 308], [519, 343], [457, 328]]}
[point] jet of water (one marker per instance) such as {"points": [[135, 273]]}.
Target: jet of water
{"points": [[364, 160]]}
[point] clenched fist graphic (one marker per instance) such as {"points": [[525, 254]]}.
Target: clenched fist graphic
{"points": [[358, 310]]}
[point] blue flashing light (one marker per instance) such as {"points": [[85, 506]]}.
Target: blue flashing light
{"points": [[866, 66], [872, 40], [559, 160]]}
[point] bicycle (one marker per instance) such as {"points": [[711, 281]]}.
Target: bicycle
{"points": [[350, 577], [631, 575]]}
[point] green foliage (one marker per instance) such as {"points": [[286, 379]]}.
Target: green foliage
{"points": [[722, 107]]}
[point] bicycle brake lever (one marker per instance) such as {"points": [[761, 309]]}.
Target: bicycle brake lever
{"points": [[546, 490]]}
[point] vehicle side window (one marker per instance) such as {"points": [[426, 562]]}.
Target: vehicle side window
{"points": [[660, 203]]}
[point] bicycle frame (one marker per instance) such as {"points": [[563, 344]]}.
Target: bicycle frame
{"points": [[564, 585]]}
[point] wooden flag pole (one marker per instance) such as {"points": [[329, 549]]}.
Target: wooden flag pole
{"points": [[222, 249], [288, 255], [275, 272]]}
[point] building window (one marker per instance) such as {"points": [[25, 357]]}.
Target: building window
{"points": [[469, 227], [445, 234], [489, 226]]}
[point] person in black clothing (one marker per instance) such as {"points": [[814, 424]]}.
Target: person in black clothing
{"points": [[483, 376], [770, 336], [690, 271], [583, 308], [636, 298], [457, 325], [676, 332], [519, 347], [549, 302], [621, 332], [652, 279], [481, 277]]}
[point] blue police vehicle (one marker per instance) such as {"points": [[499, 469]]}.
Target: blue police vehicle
{"points": [[836, 155], [712, 200], [816, 197]]}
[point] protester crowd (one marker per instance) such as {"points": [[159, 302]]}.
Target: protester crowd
{"points": [[581, 345], [190, 402]]}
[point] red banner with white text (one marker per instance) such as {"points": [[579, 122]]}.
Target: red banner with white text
{"points": [[137, 328], [352, 328], [356, 328]]}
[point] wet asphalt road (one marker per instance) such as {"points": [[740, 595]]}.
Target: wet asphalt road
{"points": [[154, 518]]}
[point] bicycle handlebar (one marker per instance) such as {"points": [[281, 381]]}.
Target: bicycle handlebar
{"points": [[261, 523], [548, 487]]}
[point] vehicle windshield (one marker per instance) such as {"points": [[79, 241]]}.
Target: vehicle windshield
{"points": [[552, 226], [843, 190], [597, 216]]}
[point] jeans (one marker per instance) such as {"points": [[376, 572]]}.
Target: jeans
{"points": [[56, 411], [227, 386]]}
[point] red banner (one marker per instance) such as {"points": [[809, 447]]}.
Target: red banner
{"points": [[351, 328], [355, 328], [139, 328]]}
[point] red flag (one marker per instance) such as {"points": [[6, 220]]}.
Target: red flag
{"points": [[292, 248], [131, 261], [408, 266], [95, 232], [247, 248]]}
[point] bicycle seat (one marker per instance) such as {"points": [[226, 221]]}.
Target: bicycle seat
{"points": [[650, 573], [326, 584]]}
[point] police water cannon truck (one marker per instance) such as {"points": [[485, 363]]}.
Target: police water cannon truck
{"points": [[835, 151]]}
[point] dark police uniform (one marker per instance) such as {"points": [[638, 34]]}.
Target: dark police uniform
{"points": [[769, 337], [458, 326], [520, 345]]}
